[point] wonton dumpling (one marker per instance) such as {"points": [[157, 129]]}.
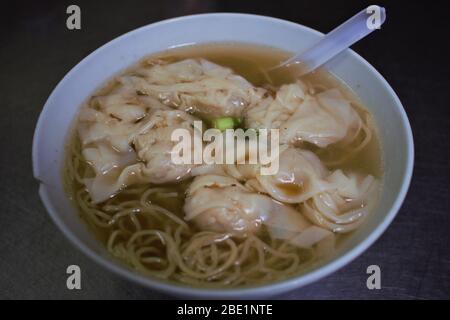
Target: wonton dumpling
{"points": [[323, 119], [345, 205], [333, 200], [197, 85], [326, 119], [96, 126], [125, 153], [221, 204], [115, 117], [271, 113], [154, 147], [103, 158], [300, 175]]}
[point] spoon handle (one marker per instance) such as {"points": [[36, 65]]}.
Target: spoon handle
{"points": [[339, 39]]}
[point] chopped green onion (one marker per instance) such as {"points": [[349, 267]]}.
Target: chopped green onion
{"points": [[225, 123]]}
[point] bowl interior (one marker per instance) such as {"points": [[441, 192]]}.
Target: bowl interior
{"points": [[61, 107]]}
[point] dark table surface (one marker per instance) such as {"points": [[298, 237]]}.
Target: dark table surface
{"points": [[37, 50]]}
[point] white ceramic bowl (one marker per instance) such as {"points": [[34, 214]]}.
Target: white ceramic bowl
{"points": [[79, 83]]}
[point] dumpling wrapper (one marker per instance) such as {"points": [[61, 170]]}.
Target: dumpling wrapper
{"points": [[220, 203], [148, 161], [322, 119], [197, 85]]}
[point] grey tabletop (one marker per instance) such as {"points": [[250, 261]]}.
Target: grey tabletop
{"points": [[37, 50]]}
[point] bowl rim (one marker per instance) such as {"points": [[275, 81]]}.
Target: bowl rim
{"points": [[267, 289]]}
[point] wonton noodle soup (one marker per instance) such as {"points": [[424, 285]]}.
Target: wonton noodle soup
{"points": [[222, 225]]}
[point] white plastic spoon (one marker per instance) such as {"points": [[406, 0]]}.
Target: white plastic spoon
{"points": [[336, 41]]}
